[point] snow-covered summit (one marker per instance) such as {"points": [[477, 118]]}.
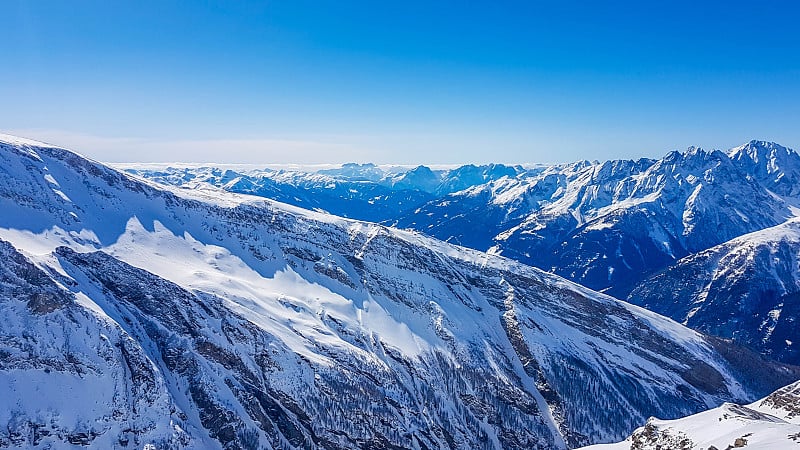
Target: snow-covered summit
{"points": [[22, 142], [775, 166], [606, 225]]}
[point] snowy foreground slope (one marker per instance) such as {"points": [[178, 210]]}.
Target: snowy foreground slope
{"points": [[135, 315], [772, 423]]}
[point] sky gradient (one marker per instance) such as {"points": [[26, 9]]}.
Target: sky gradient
{"points": [[398, 82]]}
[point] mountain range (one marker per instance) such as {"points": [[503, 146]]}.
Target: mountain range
{"points": [[141, 315], [619, 227]]}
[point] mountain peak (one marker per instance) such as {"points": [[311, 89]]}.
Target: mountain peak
{"points": [[355, 171], [693, 150], [757, 150], [775, 166], [420, 177]]}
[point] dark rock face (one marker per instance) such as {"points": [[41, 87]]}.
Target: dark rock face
{"points": [[786, 399], [21, 280]]}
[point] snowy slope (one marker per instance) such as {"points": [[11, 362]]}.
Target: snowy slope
{"points": [[67, 375], [245, 323], [772, 423], [747, 289]]}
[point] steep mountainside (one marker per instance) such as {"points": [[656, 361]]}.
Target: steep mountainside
{"points": [[138, 316], [747, 289], [772, 423]]}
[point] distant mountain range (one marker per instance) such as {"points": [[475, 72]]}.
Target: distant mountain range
{"points": [[139, 315], [620, 227]]}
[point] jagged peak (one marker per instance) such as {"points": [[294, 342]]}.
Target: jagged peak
{"points": [[422, 169], [367, 165], [693, 150], [692, 158], [419, 172], [757, 150], [699, 152]]}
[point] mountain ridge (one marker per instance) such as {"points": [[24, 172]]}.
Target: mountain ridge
{"points": [[755, 273], [505, 209]]}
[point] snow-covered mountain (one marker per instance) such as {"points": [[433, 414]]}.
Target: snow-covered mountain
{"points": [[140, 316], [346, 192], [747, 289], [607, 225], [772, 423], [774, 166]]}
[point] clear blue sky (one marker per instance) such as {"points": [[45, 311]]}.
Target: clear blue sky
{"points": [[398, 81]]}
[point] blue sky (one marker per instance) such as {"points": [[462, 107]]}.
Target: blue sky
{"points": [[398, 82]]}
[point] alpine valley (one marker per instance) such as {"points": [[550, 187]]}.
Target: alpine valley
{"points": [[155, 310]]}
